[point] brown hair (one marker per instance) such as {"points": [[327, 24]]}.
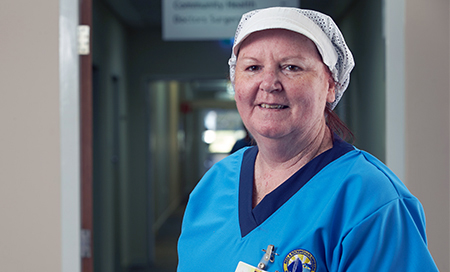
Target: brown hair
{"points": [[337, 126]]}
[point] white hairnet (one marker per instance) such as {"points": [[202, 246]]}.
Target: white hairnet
{"points": [[317, 26]]}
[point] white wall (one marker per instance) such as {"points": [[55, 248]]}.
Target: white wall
{"points": [[30, 198], [427, 108]]}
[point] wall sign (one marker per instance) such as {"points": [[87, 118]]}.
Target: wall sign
{"points": [[209, 19]]}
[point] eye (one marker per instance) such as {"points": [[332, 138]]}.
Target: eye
{"points": [[292, 68], [253, 68]]}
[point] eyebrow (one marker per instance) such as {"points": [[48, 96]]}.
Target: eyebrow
{"points": [[250, 58], [293, 57], [288, 58]]}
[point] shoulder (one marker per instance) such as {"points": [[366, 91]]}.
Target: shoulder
{"points": [[358, 186], [230, 164], [222, 175], [361, 169], [377, 224], [361, 185]]}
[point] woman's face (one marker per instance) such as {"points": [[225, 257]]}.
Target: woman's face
{"points": [[282, 85]]}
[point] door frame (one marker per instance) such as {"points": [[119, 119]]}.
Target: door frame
{"points": [[86, 140]]}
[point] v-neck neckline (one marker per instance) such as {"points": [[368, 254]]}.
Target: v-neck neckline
{"points": [[250, 218]]}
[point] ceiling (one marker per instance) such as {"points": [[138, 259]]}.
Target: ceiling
{"points": [[137, 13], [147, 13]]}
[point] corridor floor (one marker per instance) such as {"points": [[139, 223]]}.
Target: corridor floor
{"points": [[166, 259]]}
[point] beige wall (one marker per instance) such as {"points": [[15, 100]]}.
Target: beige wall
{"points": [[30, 228], [427, 117]]}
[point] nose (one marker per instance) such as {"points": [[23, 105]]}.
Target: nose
{"points": [[270, 82]]}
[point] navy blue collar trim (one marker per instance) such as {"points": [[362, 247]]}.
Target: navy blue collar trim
{"points": [[250, 218]]}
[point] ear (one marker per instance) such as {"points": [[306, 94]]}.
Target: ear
{"points": [[331, 94]]}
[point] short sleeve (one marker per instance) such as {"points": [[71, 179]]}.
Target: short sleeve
{"points": [[391, 239]]}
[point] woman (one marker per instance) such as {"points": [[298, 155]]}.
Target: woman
{"points": [[310, 200]]}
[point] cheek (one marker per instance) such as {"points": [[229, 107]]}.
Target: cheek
{"points": [[310, 98], [242, 102], [243, 98], [238, 95], [242, 91], [320, 91]]}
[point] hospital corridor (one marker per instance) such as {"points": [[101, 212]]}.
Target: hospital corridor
{"points": [[111, 111]]}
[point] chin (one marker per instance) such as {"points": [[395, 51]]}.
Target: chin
{"points": [[271, 133]]}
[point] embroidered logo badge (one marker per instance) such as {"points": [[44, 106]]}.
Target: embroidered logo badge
{"points": [[299, 260]]}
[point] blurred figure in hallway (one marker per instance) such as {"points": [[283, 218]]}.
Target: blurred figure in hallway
{"points": [[246, 141]]}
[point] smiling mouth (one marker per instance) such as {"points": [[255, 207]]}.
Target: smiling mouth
{"points": [[273, 106]]}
